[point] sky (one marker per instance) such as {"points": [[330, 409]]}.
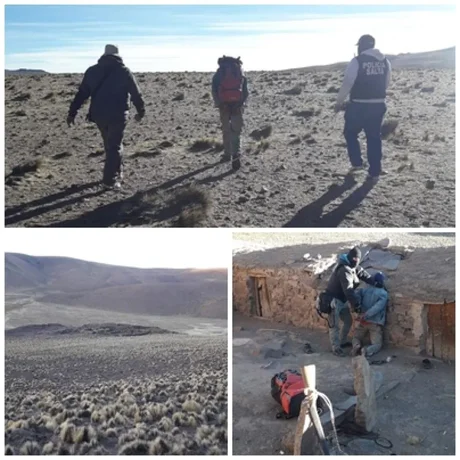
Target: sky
{"points": [[70, 38], [141, 248]]}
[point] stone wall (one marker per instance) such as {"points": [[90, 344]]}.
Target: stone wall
{"points": [[292, 297]]}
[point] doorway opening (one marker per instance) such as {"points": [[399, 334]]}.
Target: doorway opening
{"points": [[440, 336], [261, 299]]}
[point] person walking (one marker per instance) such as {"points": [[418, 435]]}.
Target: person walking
{"points": [[366, 80], [111, 86], [230, 92]]}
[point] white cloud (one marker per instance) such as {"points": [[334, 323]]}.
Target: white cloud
{"points": [[265, 45]]}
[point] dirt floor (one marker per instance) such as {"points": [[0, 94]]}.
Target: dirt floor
{"points": [[294, 163], [417, 416], [91, 393]]}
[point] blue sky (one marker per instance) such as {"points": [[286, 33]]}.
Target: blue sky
{"points": [[69, 38]]}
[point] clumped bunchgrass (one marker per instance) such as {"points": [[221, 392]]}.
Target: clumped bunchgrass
{"points": [[204, 144], [180, 411]]}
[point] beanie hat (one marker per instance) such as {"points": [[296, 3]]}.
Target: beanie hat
{"points": [[111, 50], [354, 253], [379, 278]]}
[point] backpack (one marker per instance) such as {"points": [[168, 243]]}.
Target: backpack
{"points": [[287, 389], [323, 305], [231, 80]]}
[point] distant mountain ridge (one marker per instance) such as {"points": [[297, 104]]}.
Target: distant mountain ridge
{"points": [[66, 281], [437, 59], [25, 72]]}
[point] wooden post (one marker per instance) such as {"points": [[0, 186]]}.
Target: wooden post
{"points": [[309, 419]]}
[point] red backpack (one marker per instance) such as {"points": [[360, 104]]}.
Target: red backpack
{"points": [[288, 391], [231, 80]]}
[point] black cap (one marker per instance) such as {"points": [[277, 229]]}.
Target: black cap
{"points": [[367, 41], [354, 253]]}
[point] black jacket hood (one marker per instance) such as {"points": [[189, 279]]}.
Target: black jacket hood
{"points": [[111, 61]]}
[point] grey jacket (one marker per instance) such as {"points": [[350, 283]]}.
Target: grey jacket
{"points": [[345, 280], [112, 100]]}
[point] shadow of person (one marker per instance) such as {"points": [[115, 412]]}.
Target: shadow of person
{"points": [[129, 211], [310, 215], [335, 217], [49, 199]]}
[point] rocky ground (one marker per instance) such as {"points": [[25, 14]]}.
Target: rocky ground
{"points": [[98, 394], [416, 412], [294, 165], [256, 242]]}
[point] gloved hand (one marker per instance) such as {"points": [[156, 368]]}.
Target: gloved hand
{"points": [[139, 116], [70, 120]]}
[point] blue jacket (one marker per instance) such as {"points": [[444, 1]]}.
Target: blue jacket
{"points": [[373, 304]]}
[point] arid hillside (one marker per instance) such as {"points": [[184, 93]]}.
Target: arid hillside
{"points": [[64, 281], [294, 164]]}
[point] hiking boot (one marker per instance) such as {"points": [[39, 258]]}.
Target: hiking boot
{"points": [[372, 179], [225, 157], [346, 345], [236, 163], [338, 352]]}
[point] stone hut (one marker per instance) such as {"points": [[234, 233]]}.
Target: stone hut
{"points": [[281, 284]]}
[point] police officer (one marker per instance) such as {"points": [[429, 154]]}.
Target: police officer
{"points": [[366, 80]]}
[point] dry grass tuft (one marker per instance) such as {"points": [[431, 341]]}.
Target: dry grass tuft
{"points": [[389, 128]]}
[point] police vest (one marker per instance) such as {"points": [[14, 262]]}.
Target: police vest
{"points": [[371, 80]]}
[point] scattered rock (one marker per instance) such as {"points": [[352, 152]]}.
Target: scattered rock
{"points": [[414, 440], [295, 91], [179, 97], [430, 184], [261, 133], [165, 144]]}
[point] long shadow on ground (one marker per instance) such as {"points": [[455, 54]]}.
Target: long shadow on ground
{"points": [[17, 214], [133, 210], [312, 214]]}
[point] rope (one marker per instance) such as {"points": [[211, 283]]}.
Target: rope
{"points": [[328, 403]]}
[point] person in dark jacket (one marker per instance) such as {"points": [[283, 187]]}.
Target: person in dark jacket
{"points": [[342, 286], [373, 301], [231, 113], [367, 78], [111, 86]]}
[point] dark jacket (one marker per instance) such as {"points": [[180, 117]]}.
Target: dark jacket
{"points": [[372, 79], [112, 100], [216, 84], [345, 280]]}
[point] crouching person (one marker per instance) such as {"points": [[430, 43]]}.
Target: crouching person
{"points": [[372, 317]]}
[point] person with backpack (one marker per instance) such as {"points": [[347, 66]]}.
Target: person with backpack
{"points": [[373, 301], [111, 86], [366, 80], [230, 92], [341, 296]]}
